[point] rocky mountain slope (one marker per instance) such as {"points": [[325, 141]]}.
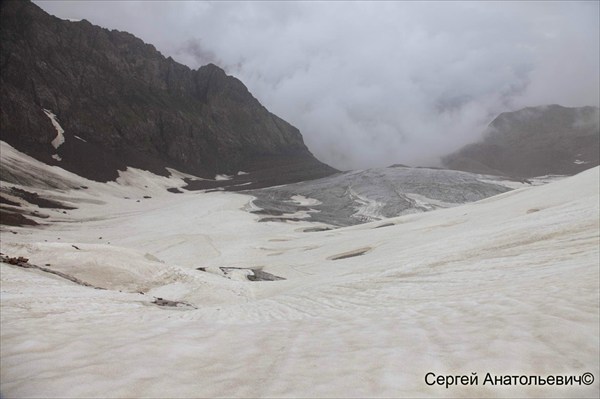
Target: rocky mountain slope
{"points": [[95, 101], [533, 142]]}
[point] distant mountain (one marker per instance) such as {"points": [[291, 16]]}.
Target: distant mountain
{"points": [[95, 101], [534, 141]]}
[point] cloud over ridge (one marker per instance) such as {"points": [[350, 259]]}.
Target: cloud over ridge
{"points": [[376, 83]]}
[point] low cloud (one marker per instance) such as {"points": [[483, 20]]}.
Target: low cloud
{"points": [[376, 83]]}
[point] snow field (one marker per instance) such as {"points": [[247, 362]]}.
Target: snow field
{"points": [[507, 285]]}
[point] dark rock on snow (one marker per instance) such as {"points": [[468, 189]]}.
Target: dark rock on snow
{"points": [[15, 218], [34, 198]]}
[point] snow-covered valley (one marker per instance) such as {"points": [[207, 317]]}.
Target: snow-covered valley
{"points": [[508, 285]]}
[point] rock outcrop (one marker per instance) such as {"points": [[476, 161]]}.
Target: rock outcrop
{"points": [[534, 141], [121, 103]]}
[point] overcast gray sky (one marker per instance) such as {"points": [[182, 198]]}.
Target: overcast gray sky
{"points": [[376, 83]]}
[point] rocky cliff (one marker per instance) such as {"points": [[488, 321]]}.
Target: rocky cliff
{"points": [[121, 103], [534, 141]]}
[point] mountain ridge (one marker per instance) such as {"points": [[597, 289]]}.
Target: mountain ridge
{"points": [[534, 141], [121, 103]]}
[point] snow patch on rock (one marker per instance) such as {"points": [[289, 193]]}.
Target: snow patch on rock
{"points": [[60, 133]]}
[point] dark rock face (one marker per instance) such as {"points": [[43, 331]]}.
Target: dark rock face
{"points": [[534, 142], [128, 105]]}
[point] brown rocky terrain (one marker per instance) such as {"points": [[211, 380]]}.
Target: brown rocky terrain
{"points": [[534, 141], [122, 103]]}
